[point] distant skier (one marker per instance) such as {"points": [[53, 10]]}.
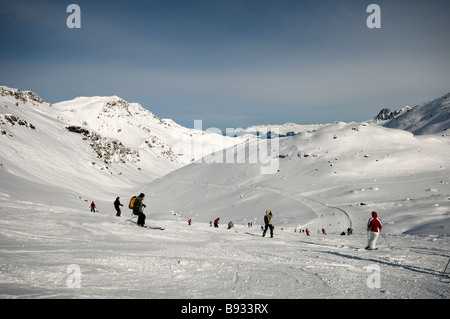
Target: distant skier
{"points": [[216, 223], [373, 228], [307, 232], [323, 231], [92, 206], [190, 222], [138, 209], [117, 205], [268, 223], [230, 225]]}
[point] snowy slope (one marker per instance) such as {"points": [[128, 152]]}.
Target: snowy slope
{"points": [[116, 259], [330, 171], [427, 118], [330, 176]]}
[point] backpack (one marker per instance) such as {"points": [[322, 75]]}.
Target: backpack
{"points": [[132, 200]]}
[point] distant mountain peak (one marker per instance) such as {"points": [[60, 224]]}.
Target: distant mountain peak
{"points": [[432, 117]]}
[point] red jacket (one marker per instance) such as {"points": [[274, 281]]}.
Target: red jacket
{"points": [[374, 223]]}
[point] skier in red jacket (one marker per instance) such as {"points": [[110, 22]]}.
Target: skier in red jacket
{"points": [[373, 228]]}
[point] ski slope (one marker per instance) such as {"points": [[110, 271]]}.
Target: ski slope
{"points": [[45, 231], [117, 259]]}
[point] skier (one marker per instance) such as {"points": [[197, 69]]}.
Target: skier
{"points": [[323, 231], [190, 222], [92, 206], [216, 223], [268, 223], [307, 232], [117, 205], [230, 225], [138, 209], [373, 228]]}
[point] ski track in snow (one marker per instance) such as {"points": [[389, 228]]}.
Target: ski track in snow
{"points": [[120, 260], [325, 214]]}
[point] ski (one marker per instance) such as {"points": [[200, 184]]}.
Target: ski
{"points": [[146, 226], [155, 227]]}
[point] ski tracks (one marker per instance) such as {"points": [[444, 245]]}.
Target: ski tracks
{"points": [[333, 218]]}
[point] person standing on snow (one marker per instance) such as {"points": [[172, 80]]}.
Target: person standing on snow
{"points": [[117, 205], [92, 206], [268, 223], [373, 228], [216, 223], [138, 209]]}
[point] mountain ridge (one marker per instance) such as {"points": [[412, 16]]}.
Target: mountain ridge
{"points": [[431, 117]]}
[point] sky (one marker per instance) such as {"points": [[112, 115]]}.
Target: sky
{"points": [[231, 63]]}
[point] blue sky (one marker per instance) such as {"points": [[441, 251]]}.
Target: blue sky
{"points": [[232, 63]]}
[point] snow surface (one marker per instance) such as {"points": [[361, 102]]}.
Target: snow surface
{"points": [[329, 176]]}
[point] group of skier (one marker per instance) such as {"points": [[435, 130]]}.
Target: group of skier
{"points": [[267, 223], [374, 224], [135, 204]]}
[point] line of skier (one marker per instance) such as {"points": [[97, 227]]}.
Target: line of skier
{"points": [[374, 224], [135, 204], [323, 231]]}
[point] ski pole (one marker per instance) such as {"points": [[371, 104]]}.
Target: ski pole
{"points": [[390, 247], [445, 269]]}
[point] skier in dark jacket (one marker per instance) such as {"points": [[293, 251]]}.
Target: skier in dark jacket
{"points": [[138, 209], [117, 205], [268, 223]]}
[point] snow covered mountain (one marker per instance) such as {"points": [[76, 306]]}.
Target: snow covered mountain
{"points": [[93, 145], [426, 118], [103, 147]]}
